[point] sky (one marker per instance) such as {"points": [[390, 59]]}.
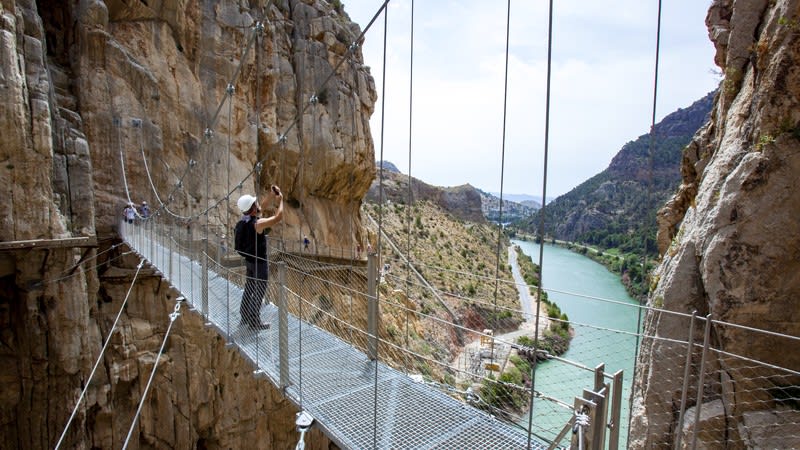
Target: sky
{"points": [[602, 77]]}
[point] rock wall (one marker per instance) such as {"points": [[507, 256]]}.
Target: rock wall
{"points": [[106, 102], [731, 238]]}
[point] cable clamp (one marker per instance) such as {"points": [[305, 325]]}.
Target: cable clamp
{"points": [[259, 28], [230, 89], [353, 47], [176, 312], [471, 396], [314, 99], [282, 139], [259, 165], [581, 420], [208, 132]]}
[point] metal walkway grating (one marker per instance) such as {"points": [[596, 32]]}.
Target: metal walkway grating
{"points": [[330, 379]]}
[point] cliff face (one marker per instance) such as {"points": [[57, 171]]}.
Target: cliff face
{"points": [[731, 234], [87, 87]]}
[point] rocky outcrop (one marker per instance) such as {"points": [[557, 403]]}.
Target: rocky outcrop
{"points": [[105, 102], [463, 202], [736, 252]]}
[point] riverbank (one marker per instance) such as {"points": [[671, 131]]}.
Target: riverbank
{"points": [[628, 267], [604, 319]]}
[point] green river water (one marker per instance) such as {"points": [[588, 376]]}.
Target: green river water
{"points": [[604, 333]]}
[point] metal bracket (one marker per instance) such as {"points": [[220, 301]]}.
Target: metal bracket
{"points": [[303, 421]]}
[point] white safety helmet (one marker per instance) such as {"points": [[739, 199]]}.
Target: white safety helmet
{"points": [[246, 202]]}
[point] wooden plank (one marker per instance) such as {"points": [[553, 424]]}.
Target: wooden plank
{"points": [[85, 241]]}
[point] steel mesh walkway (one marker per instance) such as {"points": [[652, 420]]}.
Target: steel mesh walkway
{"points": [[357, 402]]}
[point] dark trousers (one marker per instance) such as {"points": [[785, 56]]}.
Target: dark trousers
{"points": [[254, 289]]}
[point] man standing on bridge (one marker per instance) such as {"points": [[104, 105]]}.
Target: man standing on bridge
{"points": [[251, 243]]}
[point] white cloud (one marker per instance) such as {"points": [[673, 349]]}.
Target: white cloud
{"points": [[601, 85]]}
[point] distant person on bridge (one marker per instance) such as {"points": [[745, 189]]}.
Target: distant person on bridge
{"points": [[305, 243], [145, 210], [129, 212], [251, 243]]}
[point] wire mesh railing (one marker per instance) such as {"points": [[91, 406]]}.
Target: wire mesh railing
{"points": [[713, 398]]}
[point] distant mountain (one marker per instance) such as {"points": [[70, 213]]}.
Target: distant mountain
{"points": [[512, 211], [389, 167], [616, 208], [532, 201], [463, 202]]}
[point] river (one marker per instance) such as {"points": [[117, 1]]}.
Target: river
{"points": [[601, 333]]}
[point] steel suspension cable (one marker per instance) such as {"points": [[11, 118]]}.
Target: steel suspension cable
{"points": [[380, 218], [228, 217], [410, 179], [256, 30], [542, 211], [147, 169], [651, 150], [172, 316], [283, 136], [350, 50], [502, 173], [100, 356], [122, 164]]}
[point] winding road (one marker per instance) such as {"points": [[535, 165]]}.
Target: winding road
{"points": [[470, 358]]}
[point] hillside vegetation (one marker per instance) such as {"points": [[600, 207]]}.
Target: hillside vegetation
{"points": [[458, 258], [443, 263]]}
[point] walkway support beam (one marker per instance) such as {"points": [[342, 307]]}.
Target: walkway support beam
{"points": [[204, 279], [283, 328]]}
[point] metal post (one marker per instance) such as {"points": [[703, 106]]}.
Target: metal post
{"points": [[616, 408], [700, 381], [600, 396], [228, 279], [152, 225], [283, 327], [204, 280], [179, 281], [684, 392], [372, 307], [171, 278], [163, 245], [190, 257]]}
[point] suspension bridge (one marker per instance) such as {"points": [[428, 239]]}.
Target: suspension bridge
{"points": [[322, 357], [342, 369], [346, 389]]}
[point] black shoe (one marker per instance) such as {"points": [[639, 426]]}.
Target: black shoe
{"points": [[258, 326]]}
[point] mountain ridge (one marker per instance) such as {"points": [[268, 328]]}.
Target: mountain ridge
{"points": [[610, 208]]}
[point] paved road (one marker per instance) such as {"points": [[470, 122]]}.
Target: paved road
{"points": [[524, 292]]}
